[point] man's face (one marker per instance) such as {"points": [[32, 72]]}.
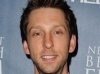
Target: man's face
{"points": [[48, 41]]}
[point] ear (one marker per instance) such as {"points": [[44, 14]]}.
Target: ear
{"points": [[25, 47], [72, 44]]}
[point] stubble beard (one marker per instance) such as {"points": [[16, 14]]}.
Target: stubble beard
{"points": [[42, 71]]}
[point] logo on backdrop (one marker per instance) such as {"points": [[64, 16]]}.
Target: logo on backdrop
{"points": [[93, 60], [1, 53], [88, 1]]}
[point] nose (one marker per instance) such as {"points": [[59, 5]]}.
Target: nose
{"points": [[48, 42]]}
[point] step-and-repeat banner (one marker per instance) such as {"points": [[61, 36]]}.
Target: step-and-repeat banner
{"points": [[12, 57]]}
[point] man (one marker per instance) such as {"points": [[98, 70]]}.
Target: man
{"points": [[49, 34]]}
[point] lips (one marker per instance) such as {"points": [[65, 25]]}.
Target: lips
{"points": [[49, 58]]}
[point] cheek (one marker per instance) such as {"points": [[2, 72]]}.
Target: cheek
{"points": [[34, 43], [34, 52], [35, 46], [62, 45], [62, 42]]}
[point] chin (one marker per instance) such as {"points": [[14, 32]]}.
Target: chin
{"points": [[49, 71]]}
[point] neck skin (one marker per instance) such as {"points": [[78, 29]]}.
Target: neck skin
{"points": [[64, 71]]}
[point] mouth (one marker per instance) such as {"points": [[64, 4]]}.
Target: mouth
{"points": [[49, 58]]}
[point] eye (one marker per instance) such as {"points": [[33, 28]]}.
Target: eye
{"points": [[58, 32], [37, 34]]}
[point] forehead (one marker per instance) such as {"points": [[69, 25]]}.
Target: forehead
{"points": [[46, 16], [46, 10]]}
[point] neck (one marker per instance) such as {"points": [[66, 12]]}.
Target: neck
{"points": [[64, 70]]}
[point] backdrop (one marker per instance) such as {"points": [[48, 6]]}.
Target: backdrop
{"points": [[12, 57]]}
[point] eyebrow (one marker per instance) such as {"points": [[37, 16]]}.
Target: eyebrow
{"points": [[34, 27], [40, 27], [56, 26]]}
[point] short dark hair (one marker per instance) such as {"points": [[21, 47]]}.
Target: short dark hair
{"points": [[59, 4]]}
